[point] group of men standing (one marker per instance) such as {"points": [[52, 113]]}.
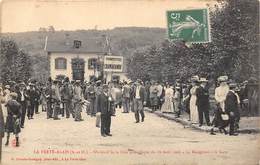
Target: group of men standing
{"points": [[67, 98]]}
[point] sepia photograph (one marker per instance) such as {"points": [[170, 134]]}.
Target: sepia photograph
{"points": [[129, 82]]}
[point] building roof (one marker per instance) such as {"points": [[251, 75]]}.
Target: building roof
{"points": [[66, 45]]}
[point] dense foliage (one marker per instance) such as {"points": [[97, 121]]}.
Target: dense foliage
{"points": [[15, 63], [233, 50]]}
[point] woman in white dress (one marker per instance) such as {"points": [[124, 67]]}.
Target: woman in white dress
{"points": [[167, 106], [194, 115]]}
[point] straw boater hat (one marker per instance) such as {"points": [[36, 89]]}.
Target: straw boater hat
{"points": [[177, 87], [7, 86], [31, 84], [77, 81], [223, 79], [232, 84], [98, 82], [22, 84]]}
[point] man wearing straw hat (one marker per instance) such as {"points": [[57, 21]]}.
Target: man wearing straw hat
{"points": [[139, 95]]}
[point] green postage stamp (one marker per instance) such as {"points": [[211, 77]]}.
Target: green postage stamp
{"points": [[189, 25]]}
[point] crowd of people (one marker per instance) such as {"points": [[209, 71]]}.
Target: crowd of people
{"points": [[65, 98], [193, 98]]}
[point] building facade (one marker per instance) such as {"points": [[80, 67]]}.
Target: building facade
{"points": [[79, 60]]}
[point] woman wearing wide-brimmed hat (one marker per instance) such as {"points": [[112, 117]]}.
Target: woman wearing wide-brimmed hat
{"points": [[167, 106], [194, 114]]}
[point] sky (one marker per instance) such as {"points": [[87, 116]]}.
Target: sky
{"points": [[30, 15]]}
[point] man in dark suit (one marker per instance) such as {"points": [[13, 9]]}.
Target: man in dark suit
{"points": [[203, 102], [139, 98], [31, 100], [231, 108], [104, 107], [22, 99]]}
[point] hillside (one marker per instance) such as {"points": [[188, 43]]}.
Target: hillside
{"points": [[123, 42]]}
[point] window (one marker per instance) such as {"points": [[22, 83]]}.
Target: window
{"points": [[77, 44], [92, 63], [60, 63]]}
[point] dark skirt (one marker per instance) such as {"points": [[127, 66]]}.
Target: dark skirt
{"points": [[12, 124], [217, 119], [154, 101]]}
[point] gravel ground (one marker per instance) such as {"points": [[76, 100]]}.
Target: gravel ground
{"points": [[156, 141]]}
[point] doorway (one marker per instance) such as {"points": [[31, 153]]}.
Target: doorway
{"points": [[78, 68]]}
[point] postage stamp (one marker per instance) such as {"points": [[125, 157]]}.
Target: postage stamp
{"points": [[189, 25]]}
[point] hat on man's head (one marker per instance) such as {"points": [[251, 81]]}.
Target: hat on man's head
{"points": [[139, 80], [22, 84], [223, 79], [177, 87], [57, 81], [232, 85], [7, 86], [203, 79], [105, 86], [31, 84], [78, 81], [66, 79], [195, 78], [98, 82]]}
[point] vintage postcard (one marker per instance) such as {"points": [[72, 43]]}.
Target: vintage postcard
{"points": [[129, 82]]}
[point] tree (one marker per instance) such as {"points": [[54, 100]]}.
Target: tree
{"points": [[9, 52], [16, 64], [233, 50], [24, 66]]}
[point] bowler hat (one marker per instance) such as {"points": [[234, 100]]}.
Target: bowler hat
{"points": [[203, 80], [195, 78]]}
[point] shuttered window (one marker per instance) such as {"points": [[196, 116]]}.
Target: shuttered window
{"points": [[60, 63]]}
